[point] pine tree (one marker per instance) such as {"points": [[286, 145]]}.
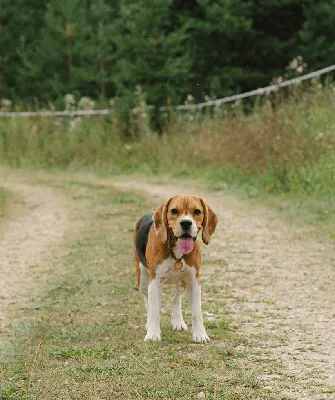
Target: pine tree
{"points": [[47, 68], [237, 46], [150, 52], [318, 34], [96, 52], [20, 22]]}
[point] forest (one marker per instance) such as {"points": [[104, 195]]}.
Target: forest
{"points": [[104, 49]]}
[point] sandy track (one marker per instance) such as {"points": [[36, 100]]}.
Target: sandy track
{"points": [[280, 289], [278, 285], [26, 244]]}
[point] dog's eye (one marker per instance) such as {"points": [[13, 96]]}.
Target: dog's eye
{"points": [[174, 211], [197, 212]]}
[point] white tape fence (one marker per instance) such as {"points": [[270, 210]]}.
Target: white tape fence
{"points": [[256, 92], [54, 113]]}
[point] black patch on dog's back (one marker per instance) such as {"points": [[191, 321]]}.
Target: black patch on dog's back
{"points": [[141, 238]]}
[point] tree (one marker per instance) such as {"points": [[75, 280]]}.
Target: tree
{"points": [[237, 46], [169, 48], [318, 34], [20, 21], [150, 52], [71, 52]]}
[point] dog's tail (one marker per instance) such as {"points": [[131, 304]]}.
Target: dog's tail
{"points": [[136, 259]]}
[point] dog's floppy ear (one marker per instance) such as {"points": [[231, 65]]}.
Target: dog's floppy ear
{"points": [[209, 223], [160, 220]]}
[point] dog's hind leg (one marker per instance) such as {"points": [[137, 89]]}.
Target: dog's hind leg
{"points": [[143, 283]]}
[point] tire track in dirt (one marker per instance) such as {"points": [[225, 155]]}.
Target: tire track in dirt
{"points": [[279, 286], [25, 246]]}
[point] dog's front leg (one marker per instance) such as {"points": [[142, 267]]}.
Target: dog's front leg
{"points": [[153, 312], [177, 319], [194, 300]]}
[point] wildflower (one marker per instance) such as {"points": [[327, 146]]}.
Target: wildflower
{"points": [[85, 103], [6, 103], [297, 65], [51, 106], [277, 80], [69, 99], [190, 98], [70, 102]]}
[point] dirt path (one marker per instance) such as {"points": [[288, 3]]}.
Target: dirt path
{"points": [[279, 287], [277, 284], [29, 237]]}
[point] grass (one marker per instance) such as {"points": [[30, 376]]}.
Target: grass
{"points": [[3, 201], [5, 210], [83, 338]]}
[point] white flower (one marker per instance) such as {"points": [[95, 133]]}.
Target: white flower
{"points": [[297, 65], [293, 64], [190, 98], [70, 102], [277, 80], [6, 103], [85, 103], [69, 99]]}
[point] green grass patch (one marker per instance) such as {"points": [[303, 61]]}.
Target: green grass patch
{"points": [[3, 201], [84, 337]]}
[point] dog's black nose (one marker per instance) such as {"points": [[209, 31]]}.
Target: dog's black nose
{"points": [[186, 224]]}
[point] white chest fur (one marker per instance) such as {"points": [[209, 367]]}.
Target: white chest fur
{"points": [[167, 273]]}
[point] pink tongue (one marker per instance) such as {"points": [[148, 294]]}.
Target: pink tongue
{"points": [[185, 245]]}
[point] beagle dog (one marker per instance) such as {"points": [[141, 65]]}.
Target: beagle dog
{"points": [[166, 251]]}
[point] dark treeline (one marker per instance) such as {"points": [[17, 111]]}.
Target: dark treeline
{"points": [[104, 48]]}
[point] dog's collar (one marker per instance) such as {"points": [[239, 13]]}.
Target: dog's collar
{"points": [[178, 263]]}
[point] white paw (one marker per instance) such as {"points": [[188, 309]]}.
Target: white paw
{"points": [[200, 337], [179, 324], [152, 337]]}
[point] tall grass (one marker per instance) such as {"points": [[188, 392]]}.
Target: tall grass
{"points": [[286, 143]]}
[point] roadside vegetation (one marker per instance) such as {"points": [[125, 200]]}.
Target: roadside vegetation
{"points": [[281, 145]]}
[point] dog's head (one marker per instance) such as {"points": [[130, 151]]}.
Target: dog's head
{"points": [[184, 216]]}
